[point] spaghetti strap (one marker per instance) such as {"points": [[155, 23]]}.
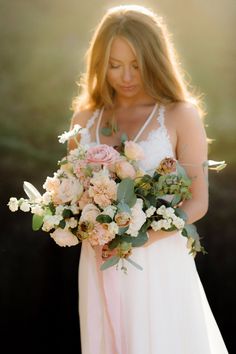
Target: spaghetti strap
{"points": [[146, 123]]}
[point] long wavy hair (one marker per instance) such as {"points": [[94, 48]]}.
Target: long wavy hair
{"points": [[161, 72]]}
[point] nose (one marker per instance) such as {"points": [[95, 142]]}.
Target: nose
{"points": [[127, 74]]}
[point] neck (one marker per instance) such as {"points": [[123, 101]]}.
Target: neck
{"points": [[129, 102]]}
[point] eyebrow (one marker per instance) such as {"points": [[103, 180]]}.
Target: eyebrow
{"points": [[121, 60]]}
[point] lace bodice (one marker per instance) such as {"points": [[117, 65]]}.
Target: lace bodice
{"points": [[156, 146]]}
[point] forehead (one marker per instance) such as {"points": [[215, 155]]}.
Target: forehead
{"points": [[121, 49]]}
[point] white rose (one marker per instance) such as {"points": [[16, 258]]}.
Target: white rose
{"points": [[25, 206], [63, 237], [13, 204]]}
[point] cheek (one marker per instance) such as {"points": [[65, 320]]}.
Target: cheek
{"points": [[112, 76]]}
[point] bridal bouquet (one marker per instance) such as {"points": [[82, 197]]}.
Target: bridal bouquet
{"points": [[99, 194]]}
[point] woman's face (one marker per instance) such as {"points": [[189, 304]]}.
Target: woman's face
{"points": [[123, 73]]}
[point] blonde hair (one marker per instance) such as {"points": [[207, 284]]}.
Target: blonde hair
{"points": [[160, 69]]}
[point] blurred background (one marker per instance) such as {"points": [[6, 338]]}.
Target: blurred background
{"points": [[42, 56]]}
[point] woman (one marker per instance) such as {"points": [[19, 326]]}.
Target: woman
{"points": [[133, 84]]}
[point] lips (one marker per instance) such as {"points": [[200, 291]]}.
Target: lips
{"points": [[131, 87]]}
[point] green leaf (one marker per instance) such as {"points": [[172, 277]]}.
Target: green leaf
{"points": [[123, 138], [114, 243], [123, 207], [181, 214], [37, 222], [104, 219], [110, 262], [137, 241], [31, 191], [176, 199], [67, 213], [122, 230], [192, 231], [62, 224], [125, 192]]}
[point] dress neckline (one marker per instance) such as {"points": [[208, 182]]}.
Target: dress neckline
{"points": [[148, 120]]}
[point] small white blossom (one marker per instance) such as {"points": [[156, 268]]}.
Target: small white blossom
{"points": [[25, 206], [50, 221], [37, 209], [113, 228], [67, 135], [161, 210], [13, 204], [109, 210], [150, 211], [72, 223], [178, 222], [138, 218]]}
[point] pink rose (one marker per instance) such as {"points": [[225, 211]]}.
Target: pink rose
{"points": [[124, 170], [102, 154], [133, 151]]}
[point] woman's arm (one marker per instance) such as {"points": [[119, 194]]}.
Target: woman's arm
{"points": [[191, 152]]}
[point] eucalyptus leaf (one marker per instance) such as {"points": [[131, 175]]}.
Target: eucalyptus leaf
{"points": [[37, 222], [110, 262], [181, 214], [123, 207], [137, 241], [192, 231], [176, 199], [125, 192], [134, 263]]}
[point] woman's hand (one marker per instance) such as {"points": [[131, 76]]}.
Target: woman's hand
{"points": [[154, 236]]}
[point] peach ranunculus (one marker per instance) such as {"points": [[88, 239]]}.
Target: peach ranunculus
{"points": [[101, 234], [84, 200], [64, 237], [102, 154], [133, 151], [103, 190], [124, 169]]}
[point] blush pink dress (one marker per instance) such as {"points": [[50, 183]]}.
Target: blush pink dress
{"points": [[161, 309]]}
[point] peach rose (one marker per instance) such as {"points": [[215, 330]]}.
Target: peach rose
{"points": [[133, 151], [124, 169], [63, 237], [102, 154]]}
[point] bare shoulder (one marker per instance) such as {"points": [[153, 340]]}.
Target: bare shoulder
{"points": [[183, 114], [81, 118]]}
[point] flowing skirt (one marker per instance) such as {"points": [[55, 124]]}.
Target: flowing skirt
{"points": [[161, 309]]}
